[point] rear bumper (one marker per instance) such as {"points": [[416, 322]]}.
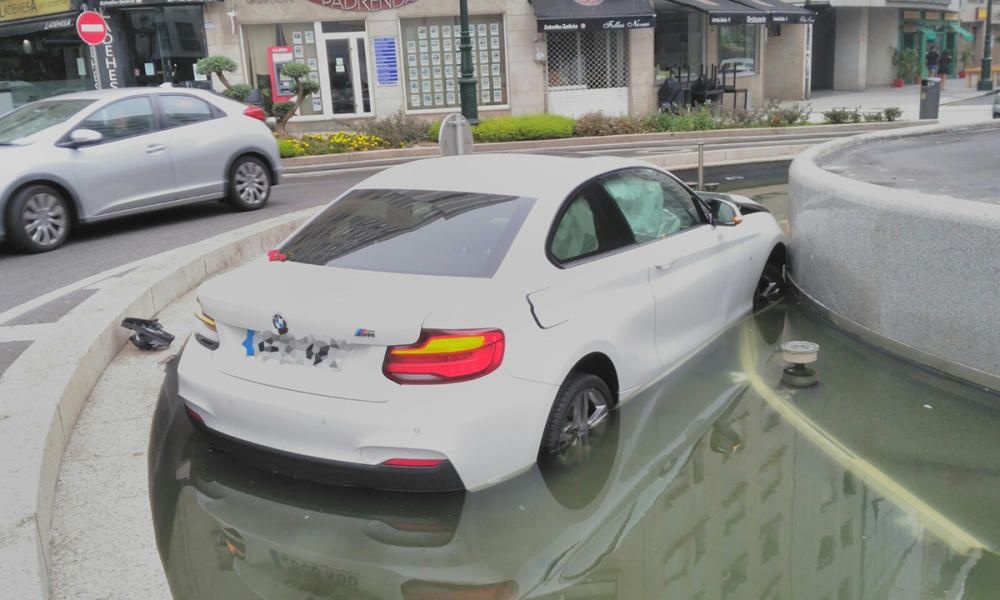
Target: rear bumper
{"points": [[486, 430], [442, 478]]}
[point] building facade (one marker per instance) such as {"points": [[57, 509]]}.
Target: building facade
{"points": [[373, 58]]}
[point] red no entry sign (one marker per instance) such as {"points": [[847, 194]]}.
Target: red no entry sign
{"points": [[91, 28]]}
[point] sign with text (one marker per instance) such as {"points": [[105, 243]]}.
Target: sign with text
{"points": [[13, 10], [386, 63], [363, 5], [278, 56]]}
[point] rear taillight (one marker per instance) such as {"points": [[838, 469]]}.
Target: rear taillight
{"points": [[413, 462], [445, 356], [428, 590], [255, 112]]}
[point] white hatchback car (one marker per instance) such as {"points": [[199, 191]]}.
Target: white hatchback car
{"points": [[447, 322], [90, 156]]}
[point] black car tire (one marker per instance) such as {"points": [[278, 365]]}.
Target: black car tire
{"points": [[575, 389], [770, 287], [45, 211], [249, 184]]}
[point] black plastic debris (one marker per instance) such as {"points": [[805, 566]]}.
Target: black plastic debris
{"points": [[147, 334]]}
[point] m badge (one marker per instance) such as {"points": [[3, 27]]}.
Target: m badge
{"points": [[279, 324]]}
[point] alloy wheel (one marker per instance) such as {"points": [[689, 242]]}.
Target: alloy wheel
{"points": [[45, 219], [585, 418], [251, 182]]}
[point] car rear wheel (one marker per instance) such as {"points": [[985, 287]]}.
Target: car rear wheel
{"points": [[249, 184], [577, 422], [770, 287], [39, 218]]}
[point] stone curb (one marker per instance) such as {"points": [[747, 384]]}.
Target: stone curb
{"points": [[291, 164], [43, 392], [960, 222]]}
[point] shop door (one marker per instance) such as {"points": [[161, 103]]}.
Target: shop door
{"points": [[824, 35], [165, 43], [346, 79]]}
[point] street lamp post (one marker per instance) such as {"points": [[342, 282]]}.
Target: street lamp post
{"points": [[986, 75], [467, 81]]}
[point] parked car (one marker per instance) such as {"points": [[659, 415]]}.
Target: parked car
{"points": [[447, 322], [97, 155]]}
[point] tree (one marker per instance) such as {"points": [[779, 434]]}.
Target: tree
{"points": [[217, 65], [301, 85]]}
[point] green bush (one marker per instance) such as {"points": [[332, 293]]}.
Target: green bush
{"points": [[529, 127], [874, 116], [433, 131], [776, 114], [238, 92], [289, 149], [839, 116], [399, 129], [598, 123], [892, 113], [280, 109]]}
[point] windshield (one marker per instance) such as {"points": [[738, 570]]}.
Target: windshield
{"points": [[412, 231], [37, 116]]}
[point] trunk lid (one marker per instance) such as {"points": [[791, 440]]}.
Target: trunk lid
{"points": [[321, 330]]}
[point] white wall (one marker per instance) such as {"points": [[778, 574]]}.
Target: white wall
{"points": [[883, 35], [850, 59], [784, 55]]}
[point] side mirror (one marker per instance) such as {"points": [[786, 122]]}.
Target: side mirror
{"points": [[84, 137], [724, 213]]}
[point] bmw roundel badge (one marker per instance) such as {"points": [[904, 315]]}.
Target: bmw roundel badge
{"points": [[279, 324]]}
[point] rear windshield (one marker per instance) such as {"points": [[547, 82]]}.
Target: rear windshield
{"points": [[412, 231]]}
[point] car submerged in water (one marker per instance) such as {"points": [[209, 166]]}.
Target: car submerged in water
{"points": [[448, 322]]}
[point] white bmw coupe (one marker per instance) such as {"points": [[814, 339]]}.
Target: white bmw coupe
{"points": [[447, 322]]}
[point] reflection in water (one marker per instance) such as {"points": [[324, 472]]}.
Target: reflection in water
{"points": [[700, 491]]}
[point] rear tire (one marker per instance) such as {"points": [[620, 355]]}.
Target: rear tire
{"points": [[39, 219], [249, 184], [770, 288], [577, 422]]}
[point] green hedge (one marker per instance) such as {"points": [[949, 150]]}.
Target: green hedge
{"points": [[516, 129], [289, 149]]}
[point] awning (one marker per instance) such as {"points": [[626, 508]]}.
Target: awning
{"points": [[580, 15], [48, 23], [962, 31], [782, 12], [929, 34], [726, 12]]}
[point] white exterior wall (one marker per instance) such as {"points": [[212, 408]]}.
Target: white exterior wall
{"points": [[785, 55], [850, 70], [883, 36]]}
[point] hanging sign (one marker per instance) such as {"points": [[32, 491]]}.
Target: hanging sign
{"points": [[277, 56]]}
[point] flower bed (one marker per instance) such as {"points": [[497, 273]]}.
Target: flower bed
{"points": [[311, 144]]}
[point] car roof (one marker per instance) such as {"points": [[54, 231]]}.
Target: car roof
{"points": [[112, 93], [528, 175]]}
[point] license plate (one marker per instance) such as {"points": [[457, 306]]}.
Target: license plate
{"points": [[290, 350], [313, 571]]}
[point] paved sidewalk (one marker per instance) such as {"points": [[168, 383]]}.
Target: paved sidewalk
{"points": [[908, 99]]}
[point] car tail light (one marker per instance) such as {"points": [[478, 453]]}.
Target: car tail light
{"points": [[276, 255], [255, 112], [428, 590], [194, 416], [445, 356]]}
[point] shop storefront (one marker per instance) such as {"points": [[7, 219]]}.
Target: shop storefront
{"points": [[40, 53], [920, 29]]}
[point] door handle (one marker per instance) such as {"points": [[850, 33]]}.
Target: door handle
{"points": [[663, 266], [154, 148]]}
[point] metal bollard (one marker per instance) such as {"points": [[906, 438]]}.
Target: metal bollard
{"points": [[701, 166]]}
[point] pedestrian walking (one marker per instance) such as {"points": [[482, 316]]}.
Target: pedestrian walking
{"points": [[931, 60], [944, 65]]}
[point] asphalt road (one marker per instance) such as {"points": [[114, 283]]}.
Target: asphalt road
{"points": [[96, 248]]}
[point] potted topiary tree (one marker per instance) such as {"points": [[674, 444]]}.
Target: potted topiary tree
{"points": [[301, 85], [907, 64], [965, 56]]}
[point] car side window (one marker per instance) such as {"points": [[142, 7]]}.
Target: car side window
{"points": [[576, 234], [181, 109], [653, 204], [122, 119], [588, 225]]}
